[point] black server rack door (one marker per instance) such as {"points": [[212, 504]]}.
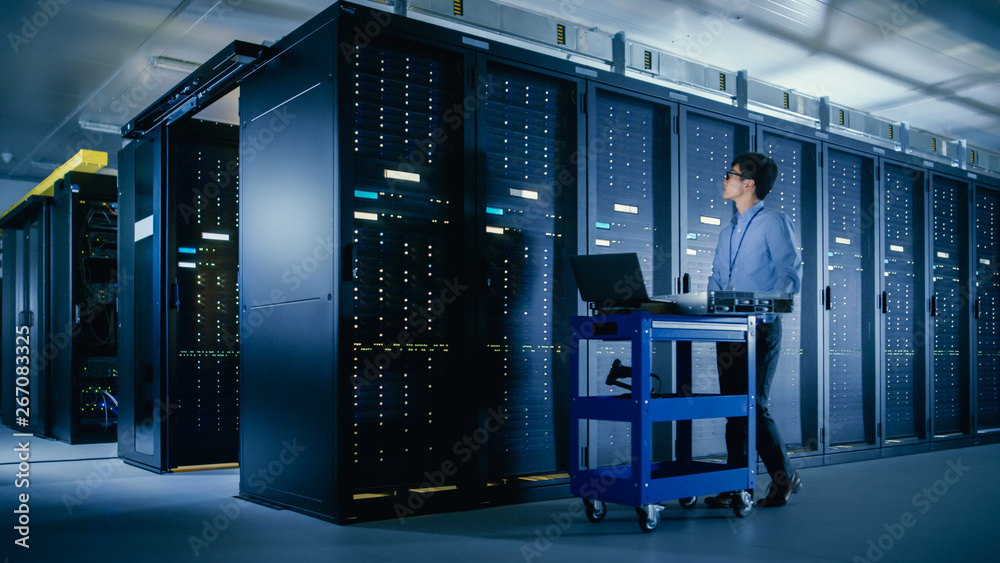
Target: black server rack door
{"points": [[629, 157], [84, 317], [36, 311], [202, 298], [708, 145], [904, 316], [987, 309], [529, 186], [794, 396], [950, 307], [60, 294], [849, 232], [8, 318], [141, 412], [289, 290], [403, 197], [95, 289]]}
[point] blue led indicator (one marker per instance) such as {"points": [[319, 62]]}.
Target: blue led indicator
{"points": [[186, 250], [494, 211], [366, 195], [692, 236], [603, 225]]}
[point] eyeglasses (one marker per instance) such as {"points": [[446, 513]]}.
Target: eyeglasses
{"points": [[734, 173]]}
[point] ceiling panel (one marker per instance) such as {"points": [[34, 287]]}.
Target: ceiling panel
{"points": [[935, 65]]}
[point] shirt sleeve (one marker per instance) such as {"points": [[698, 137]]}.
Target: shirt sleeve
{"points": [[785, 256]]}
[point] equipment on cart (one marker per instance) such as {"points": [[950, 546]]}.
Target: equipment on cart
{"points": [[614, 284]]}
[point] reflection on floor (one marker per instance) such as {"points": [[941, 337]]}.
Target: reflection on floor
{"points": [[86, 505]]}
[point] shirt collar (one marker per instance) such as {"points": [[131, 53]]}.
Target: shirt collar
{"points": [[746, 215]]}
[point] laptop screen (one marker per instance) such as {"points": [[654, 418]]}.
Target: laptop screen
{"points": [[610, 279]]}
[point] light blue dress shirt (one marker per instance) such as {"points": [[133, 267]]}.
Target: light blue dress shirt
{"points": [[757, 251]]}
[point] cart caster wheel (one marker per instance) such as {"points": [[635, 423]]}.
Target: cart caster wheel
{"points": [[649, 517], [595, 509], [688, 502], [743, 504]]}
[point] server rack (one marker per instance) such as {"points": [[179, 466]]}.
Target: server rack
{"points": [[986, 309], [795, 397], [708, 144], [84, 289], [903, 298], [179, 333], [950, 307], [632, 167], [445, 180], [527, 134], [851, 212], [404, 165], [26, 304]]}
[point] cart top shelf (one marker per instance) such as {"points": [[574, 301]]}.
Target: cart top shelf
{"points": [[705, 328]]}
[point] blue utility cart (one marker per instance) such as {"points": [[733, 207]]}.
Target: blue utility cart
{"points": [[644, 483]]}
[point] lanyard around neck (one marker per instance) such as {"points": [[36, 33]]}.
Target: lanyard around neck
{"points": [[732, 255]]}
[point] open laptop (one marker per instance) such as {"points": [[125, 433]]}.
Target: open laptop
{"points": [[613, 283], [610, 281]]}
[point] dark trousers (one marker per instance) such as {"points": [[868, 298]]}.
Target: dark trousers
{"points": [[732, 362]]}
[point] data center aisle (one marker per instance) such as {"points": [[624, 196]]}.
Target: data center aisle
{"points": [[86, 505]]}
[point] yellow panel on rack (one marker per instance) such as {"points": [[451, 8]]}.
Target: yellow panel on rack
{"points": [[83, 161]]}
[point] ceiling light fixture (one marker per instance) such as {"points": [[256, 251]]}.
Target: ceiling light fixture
{"points": [[45, 165], [167, 63], [99, 127]]}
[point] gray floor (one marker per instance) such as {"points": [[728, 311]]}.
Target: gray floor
{"points": [[86, 505]]}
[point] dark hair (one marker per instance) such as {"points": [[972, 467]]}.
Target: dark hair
{"points": [[759, 168]]}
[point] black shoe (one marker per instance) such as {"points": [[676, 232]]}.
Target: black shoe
{"points": [[722, 500], [780, 490]]}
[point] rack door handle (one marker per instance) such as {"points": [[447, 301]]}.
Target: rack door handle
{"points": [[174, 298], [348, 264], [686, 283], [885, 302], [829, 298], [934, 306]]}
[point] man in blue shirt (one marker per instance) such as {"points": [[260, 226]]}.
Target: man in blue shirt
{"points": [[756, 252]]}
